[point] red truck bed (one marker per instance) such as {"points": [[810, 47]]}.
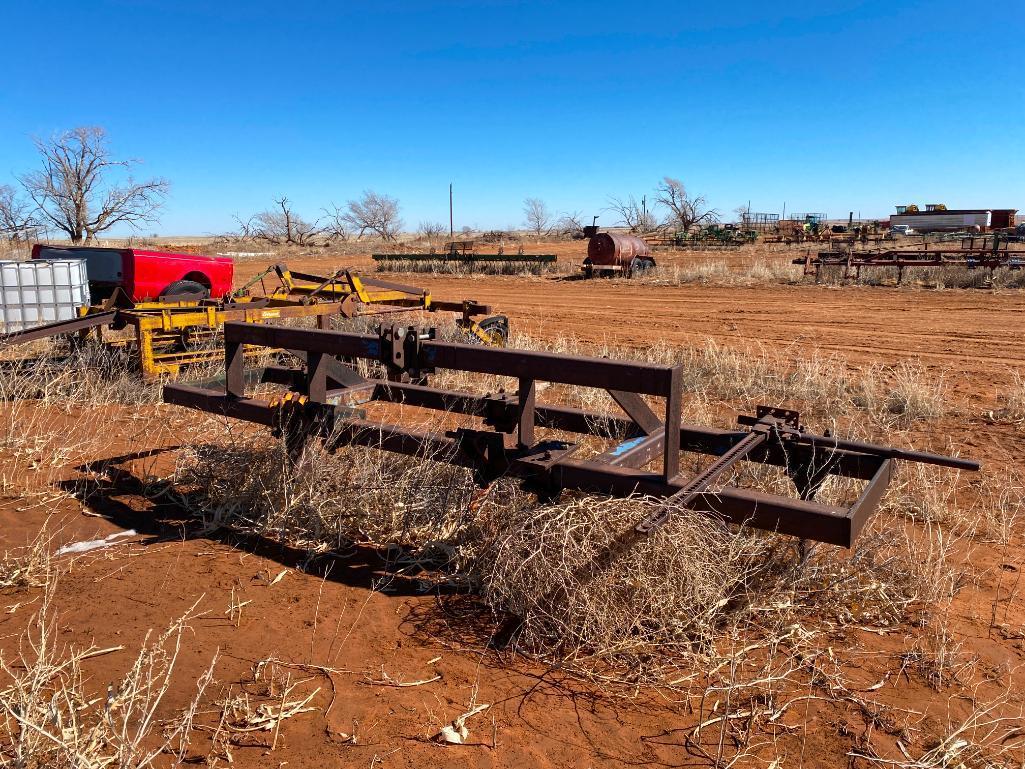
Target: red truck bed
{"points": [[144, 275]]}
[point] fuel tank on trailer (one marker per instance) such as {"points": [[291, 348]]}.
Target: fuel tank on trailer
{"points": [[614, 249]]}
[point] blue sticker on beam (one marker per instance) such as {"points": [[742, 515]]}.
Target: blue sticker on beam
{"points": [[625, 446]]}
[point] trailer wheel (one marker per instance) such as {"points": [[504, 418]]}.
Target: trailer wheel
{"points": [[495, 328], [180, 287], [639, 265]]}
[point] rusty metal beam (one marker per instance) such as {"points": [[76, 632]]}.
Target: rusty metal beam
{"points": [[641, 378], [71, 326], [815, 450]]}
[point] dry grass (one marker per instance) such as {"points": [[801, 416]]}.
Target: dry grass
{"points": [[30, 565], [938, 278], [378, 496], [54, 404], [824, 386], [439, 267], [56, 373], [52, 718], [724, 272], [671, 595], [1011, 400]]}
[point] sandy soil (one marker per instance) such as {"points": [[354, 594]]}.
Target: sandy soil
{"points": [[355, 643]]}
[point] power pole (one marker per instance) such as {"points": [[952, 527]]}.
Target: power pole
{"points": [[451, 227]]}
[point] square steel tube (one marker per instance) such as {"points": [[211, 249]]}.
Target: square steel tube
{"points": [[695, 438], [641, 378], [870, 497]]}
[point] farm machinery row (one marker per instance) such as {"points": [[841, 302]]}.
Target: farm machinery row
{"points": [[990, 253], [165, 333], [464, 256]]}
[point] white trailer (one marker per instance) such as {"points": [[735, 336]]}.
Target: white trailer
{"points": [[944, 221]]}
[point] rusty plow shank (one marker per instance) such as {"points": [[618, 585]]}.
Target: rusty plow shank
{"points": [[327, 399]]}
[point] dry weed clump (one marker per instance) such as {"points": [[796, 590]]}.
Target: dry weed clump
{"points": [[1011, 400], [984, 508], [324, 501], [913, 394], [31, 565], [58, 373], [723, 272], [669, 595], [50, 718], [938, 278]]}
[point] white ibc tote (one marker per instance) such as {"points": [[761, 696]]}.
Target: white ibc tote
{"points": [[41, 291]]}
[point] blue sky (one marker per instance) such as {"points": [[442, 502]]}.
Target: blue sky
{"points": [[826, 106]]}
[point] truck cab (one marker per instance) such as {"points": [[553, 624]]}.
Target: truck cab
{"points": [[146, 275]]}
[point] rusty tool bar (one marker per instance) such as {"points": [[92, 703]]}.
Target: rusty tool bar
{"points": [[71, 326], [641, 378], [513, 435]]}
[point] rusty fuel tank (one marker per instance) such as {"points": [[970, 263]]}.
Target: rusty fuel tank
{"points": [[607, 249]]}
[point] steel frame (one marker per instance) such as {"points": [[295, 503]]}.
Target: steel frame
{"points": [[853, 262], [323, 400], [468, 259]]}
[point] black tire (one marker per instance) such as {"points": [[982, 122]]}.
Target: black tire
{"points": [[639, 265], [496, 327], [180, 287]]}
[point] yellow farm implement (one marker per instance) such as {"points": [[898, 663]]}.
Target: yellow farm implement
{"points": [[183, 330]]}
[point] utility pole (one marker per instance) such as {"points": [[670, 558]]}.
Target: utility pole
{"points": [[451, 227]]}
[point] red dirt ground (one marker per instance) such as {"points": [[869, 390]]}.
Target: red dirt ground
{"points": [[537, 716]]}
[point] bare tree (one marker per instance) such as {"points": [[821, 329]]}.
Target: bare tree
{"points": [[284, 226], [374, 212], [336, 223], [684, 210], [18, 220], [571, 224], [431, 231], [72, 190], [539, 218], [633, 214], [246, 229]]}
